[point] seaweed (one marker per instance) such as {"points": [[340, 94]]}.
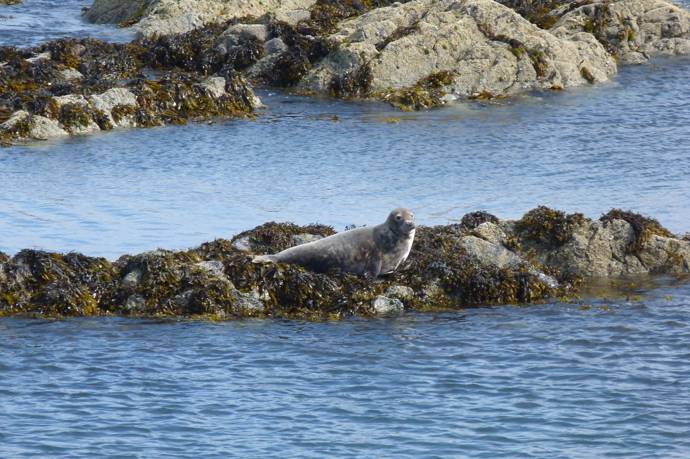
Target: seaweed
{"points": [[352, 84], [426, 93], [473, 219], [643, 227], [547, 226]]}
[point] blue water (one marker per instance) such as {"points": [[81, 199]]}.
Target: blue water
{"points": [[36, 21], [621, 144], [600, 378], [547, 381], [624, 144]]}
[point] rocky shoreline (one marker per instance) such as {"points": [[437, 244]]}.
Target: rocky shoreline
{"points": [[480, 261], [199, 59]]}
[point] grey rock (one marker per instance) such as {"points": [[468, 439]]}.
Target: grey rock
{"points": [[248, 301], [75, 99], [184, 299], [400, 292], [40, 127], [383, 305], [71, 74], [113, 97], [164, 17], [132, 279], [636, 29], [303, 238], [213, 267], [486, 47], [45, 128], [491, 232], [215, 86], [39, 57], [135, 303], [275, 46], [489, 254], [243, 243]]}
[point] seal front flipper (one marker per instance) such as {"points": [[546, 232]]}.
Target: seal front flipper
{"points": [[373, 268]]}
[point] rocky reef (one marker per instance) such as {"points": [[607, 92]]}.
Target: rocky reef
{"points": [[480, 261], [197, 59], [422, 53], [69, 86]]}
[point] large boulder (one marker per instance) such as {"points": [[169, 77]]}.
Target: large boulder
{"points": [[165, 17], [633, 30], [474, 48]]}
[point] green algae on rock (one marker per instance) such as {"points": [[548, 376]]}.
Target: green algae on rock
{"points": [[482, 261]]}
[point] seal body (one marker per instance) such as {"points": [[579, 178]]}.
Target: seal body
{"points": [[368, 251]]}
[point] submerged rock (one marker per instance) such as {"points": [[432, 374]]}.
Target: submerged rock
{"points": [[545, 254]]}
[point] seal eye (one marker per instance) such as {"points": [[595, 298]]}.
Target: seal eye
{"points": [[398, 217]]}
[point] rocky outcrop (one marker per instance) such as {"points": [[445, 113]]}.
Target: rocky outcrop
{"points": [[479, 47], [74, 87], [10, 2], [481, 261], [633, 30], [420, 53], [165, 17]]}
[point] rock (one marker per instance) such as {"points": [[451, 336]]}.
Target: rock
{"points": [[383, 305], [114, 11], [475, 48], [32, 127], [275, 46], [72, 99], [39, 57], [612, 246], [113, 97], [243, 244], [215, 86], [131, 279], [489, 254], [213, 267], [238, 32], [70, 74], [492, 233], [110, 90], [634, 30], [400, 292], [165, 17], [449, 267], [248, 303], [135, 304], [45, 128], [304, 238]]}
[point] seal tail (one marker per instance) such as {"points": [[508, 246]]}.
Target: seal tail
{"points": [[264, 259]]}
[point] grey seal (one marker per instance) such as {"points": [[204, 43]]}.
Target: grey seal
{"points": [[368, 251]]}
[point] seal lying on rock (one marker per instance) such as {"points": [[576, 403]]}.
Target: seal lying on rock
{"points": [[368, 251]]}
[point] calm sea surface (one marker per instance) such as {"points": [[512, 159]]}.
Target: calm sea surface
{"points": [[609, 378]]}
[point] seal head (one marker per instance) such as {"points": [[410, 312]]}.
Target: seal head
{"points": [[368, 251]]}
